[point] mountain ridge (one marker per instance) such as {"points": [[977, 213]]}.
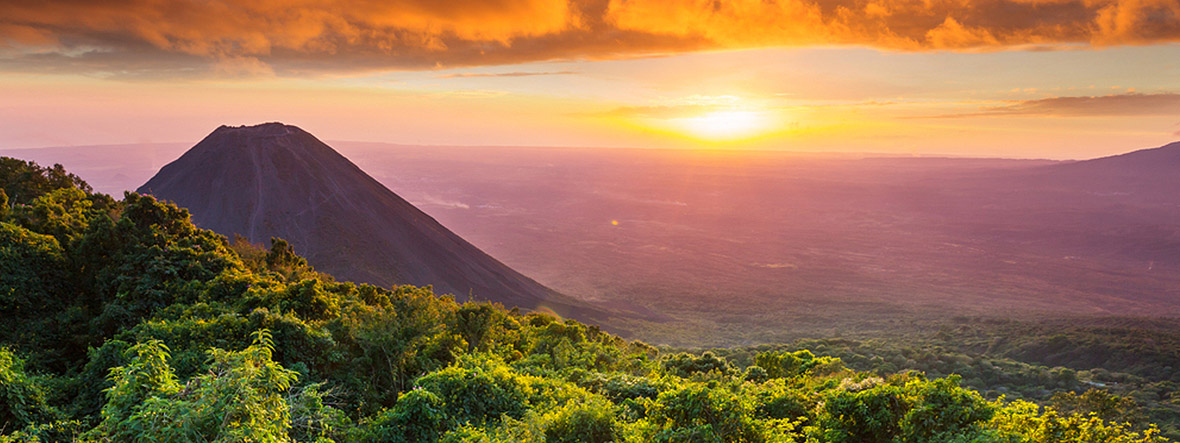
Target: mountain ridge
{"points": [[1150, 158]]}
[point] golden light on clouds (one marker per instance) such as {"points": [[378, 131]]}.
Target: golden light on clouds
{"points": [[170, 38], [897, 75], [905, 24]]}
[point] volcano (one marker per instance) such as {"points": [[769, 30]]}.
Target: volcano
{"points": [[276, 180]]}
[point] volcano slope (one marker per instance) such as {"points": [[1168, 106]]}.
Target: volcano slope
{"points": [[276, 180]]}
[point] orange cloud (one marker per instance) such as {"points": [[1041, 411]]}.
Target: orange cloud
{"points": [[224, 27], [906, 24], [150, 37]]}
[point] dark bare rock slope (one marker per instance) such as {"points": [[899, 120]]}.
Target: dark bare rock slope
{"points": [[278, 180]]}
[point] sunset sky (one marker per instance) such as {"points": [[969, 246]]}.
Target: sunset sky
{"points": [[1012, 78]]}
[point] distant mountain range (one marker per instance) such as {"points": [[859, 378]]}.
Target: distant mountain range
{"points": [[1161, 160], [275, 180], [1152, 174]]}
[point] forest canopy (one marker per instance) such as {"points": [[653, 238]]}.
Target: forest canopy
{"points": [[122, 321]]}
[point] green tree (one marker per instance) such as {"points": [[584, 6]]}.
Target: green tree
{"points": [[282, 255], [22, 401], [32, 276], [24, 180], [418, 416], [146, 376], [590, 421], [787, 364], [940, 408], [870, 415], [697, 413], [478, 392], [684, 365], [4, 208], [63, 213], [239, 400]]}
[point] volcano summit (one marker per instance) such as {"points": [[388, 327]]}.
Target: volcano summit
{"points": [[276, 180]]}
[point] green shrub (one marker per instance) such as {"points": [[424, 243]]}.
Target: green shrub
{"points": [[478, 392], [699, 413], [583, 422], [418, 416]]}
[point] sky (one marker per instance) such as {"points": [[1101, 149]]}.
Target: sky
{"points": [[999, 78]]}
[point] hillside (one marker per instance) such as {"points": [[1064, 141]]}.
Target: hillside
{"points": [[275, 180], [1142, 176], [1150, 163], [747, 248], [122, 321]]}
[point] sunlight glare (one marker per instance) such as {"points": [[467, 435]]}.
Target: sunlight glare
{"points": [[725, 125]]}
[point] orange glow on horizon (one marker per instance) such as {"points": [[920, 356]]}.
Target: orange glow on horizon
{"points": [[829, 100]]}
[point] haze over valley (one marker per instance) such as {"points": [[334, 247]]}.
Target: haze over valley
{"points": [[730, 248]]}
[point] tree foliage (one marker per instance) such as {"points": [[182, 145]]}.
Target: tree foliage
{"points": [[124, 322], [24, 180]]}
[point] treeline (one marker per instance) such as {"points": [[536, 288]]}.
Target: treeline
{"points": [[1118, 368], [121, 321]]}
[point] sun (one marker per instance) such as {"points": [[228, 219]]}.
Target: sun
{"points": [[725, 125]]}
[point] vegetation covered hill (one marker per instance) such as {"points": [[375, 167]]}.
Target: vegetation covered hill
{"points": [[121, 321]]}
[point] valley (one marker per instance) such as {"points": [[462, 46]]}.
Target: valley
{"points": [[717, 248]]}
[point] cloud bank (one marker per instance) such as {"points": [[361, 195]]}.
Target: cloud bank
{"points": [[172, 38]]}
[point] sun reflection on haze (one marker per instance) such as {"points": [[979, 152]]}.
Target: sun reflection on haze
{"points": [[726, 125]]}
